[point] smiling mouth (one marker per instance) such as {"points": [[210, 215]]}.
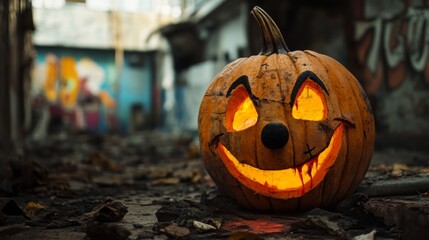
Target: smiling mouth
{"points": [[285, 183]]}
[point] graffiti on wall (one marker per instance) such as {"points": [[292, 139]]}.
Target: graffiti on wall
{"points": [[392, 38], [73, 91]]}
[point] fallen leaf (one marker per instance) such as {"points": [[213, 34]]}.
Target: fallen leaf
{"points": [[175, 231], [399, 167], [166, 181], [100, 162], [203, 226], [33, 210], [196, 178], [216, 222], [110, 210], [367, 236], [319, 225]]}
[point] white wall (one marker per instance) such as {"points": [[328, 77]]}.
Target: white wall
{"points": [[75, 25], [228, 37]]}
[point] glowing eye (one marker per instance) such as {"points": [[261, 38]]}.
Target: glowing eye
{"points": [[310, 103], [240, 112]]}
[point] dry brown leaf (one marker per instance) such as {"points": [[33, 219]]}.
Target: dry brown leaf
{"points": [[33, 210], [100, 162], [175, 231], [367, 236], [110, 210], [216, 222], [166, 181]]}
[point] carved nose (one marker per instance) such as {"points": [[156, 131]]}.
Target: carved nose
{"points": [[274, 135]]}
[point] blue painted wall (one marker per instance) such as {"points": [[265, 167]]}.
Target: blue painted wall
{"points": [[134, 85]]}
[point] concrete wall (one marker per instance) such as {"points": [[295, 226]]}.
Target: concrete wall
{"points": [[74, 25], [110, 57], [223, 43], [390, 49]]}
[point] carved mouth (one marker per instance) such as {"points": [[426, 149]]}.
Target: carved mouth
{"points": [[285, 183]]}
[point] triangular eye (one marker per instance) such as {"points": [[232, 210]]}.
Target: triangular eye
{"points": [[310, 102], [240, 111]]}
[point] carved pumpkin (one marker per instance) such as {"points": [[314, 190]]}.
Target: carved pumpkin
{"points": [[285, 130]]}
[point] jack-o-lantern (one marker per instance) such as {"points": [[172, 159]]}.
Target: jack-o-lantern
{"points": [[285, 130]]}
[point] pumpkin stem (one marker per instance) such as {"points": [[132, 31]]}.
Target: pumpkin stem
{"points": [[272, 39]]}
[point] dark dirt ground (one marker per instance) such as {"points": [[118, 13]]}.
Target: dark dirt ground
{"points": [[153, 185]]}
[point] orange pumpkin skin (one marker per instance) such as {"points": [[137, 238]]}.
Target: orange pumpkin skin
{"points": [[287, 171]]}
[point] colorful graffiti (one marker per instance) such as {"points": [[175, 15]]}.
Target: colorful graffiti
{"points": [[392, 37], [73, 91]]}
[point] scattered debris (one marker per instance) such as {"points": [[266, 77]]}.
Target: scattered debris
{"points": [[158, 191], [410, 216], [182, 211], [109, 210], [203, 227], [319, 225], [33, 210], [216, 222], [367, 236], [166, 181], [100, 162], [175, 231]]}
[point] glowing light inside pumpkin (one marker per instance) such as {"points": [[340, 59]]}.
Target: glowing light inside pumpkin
{"points": [[310, 103], [240, 112], [285, 183]]}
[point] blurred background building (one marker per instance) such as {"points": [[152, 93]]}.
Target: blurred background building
{"points": [[126, 66]]}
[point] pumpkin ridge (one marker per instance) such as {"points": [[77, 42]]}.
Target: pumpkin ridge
{"points": [[294, 67], [243, 191], [350, 88], [279, 79], [364, 150], [288, 116], [272, 38], [344, 167], [352, 183], [260, 73], [298, 72], [214, 87]]}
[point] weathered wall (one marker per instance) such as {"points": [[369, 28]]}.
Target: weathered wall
{"points": [[74, 25], [390, 47], [110, 57], [225, 41]]}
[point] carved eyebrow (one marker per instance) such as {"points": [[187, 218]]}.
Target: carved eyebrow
{"points": [[301, 79], [243, 80]]}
